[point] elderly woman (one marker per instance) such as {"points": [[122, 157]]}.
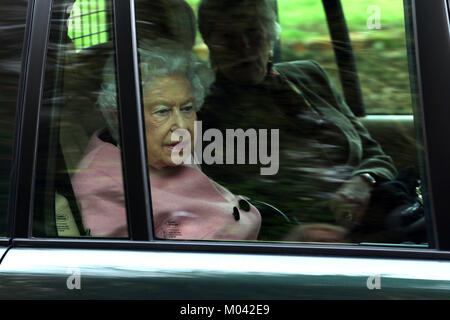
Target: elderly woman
{"points": [[328, 161], [186, 203]]}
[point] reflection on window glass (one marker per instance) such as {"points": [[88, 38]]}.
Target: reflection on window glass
{"points": [[238, 146], [377, 30], [278, 135], [79, 172], [12, 29], [186, 203], [283, 135]]}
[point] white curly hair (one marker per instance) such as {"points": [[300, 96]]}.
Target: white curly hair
{"points": [[156, 59]]}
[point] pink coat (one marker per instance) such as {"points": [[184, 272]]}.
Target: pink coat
{"points": [[186, 204]]}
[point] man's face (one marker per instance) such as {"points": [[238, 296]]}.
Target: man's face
{"points": [[240, 47]]}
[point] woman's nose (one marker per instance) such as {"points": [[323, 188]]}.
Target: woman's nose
{"points": [[178, 120]]}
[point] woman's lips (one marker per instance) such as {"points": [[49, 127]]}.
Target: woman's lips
{"points": [[177, 146]]}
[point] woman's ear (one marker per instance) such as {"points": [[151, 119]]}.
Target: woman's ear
{"points": [[115, 114]]}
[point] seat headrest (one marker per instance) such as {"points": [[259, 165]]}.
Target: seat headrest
{"points": [[167, 19]]}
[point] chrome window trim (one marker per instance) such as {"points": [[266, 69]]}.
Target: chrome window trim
{"points": [[4, 241], [300, 249]]}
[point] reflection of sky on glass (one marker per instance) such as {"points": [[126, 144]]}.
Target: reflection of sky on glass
{"points": [[161, 264]]}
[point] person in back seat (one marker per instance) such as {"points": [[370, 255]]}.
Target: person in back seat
{"points": [[186, 203], [329, 163]]}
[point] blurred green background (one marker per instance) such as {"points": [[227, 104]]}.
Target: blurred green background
{"points": [[381, 54]]}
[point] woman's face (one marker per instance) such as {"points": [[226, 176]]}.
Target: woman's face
{"points": [[168, 106]]}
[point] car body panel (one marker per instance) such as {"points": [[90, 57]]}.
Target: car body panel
{"points": [[45, 273]]}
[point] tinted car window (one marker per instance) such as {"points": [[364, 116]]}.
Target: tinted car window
{"points": [[238, 146], [315, 165], [12, 28], [76, 134], [80, 190]]}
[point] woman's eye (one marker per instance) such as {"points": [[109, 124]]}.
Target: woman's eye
{"points": [[161, 111], [188, 108]]}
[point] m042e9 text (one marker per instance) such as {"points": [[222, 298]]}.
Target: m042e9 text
{"points": [[231, 309]]}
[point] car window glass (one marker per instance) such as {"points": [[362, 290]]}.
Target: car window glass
{"points": [[239, 145], [79, 185], [12, 29], [377, 31], [278, 147]]}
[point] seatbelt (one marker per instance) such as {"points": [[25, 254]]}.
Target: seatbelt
{"points": [[345, 59], [67, 212]]}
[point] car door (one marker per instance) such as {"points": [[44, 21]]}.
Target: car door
{"points": [[51, 255], [12, 29]]}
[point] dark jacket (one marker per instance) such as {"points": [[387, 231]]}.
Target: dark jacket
{"points": [[365, 154], [322, 144]]}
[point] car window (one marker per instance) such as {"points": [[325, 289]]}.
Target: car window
{"points": [[80, 185], [12, 30], [239, 146], [79, 140], [260, 143]]}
